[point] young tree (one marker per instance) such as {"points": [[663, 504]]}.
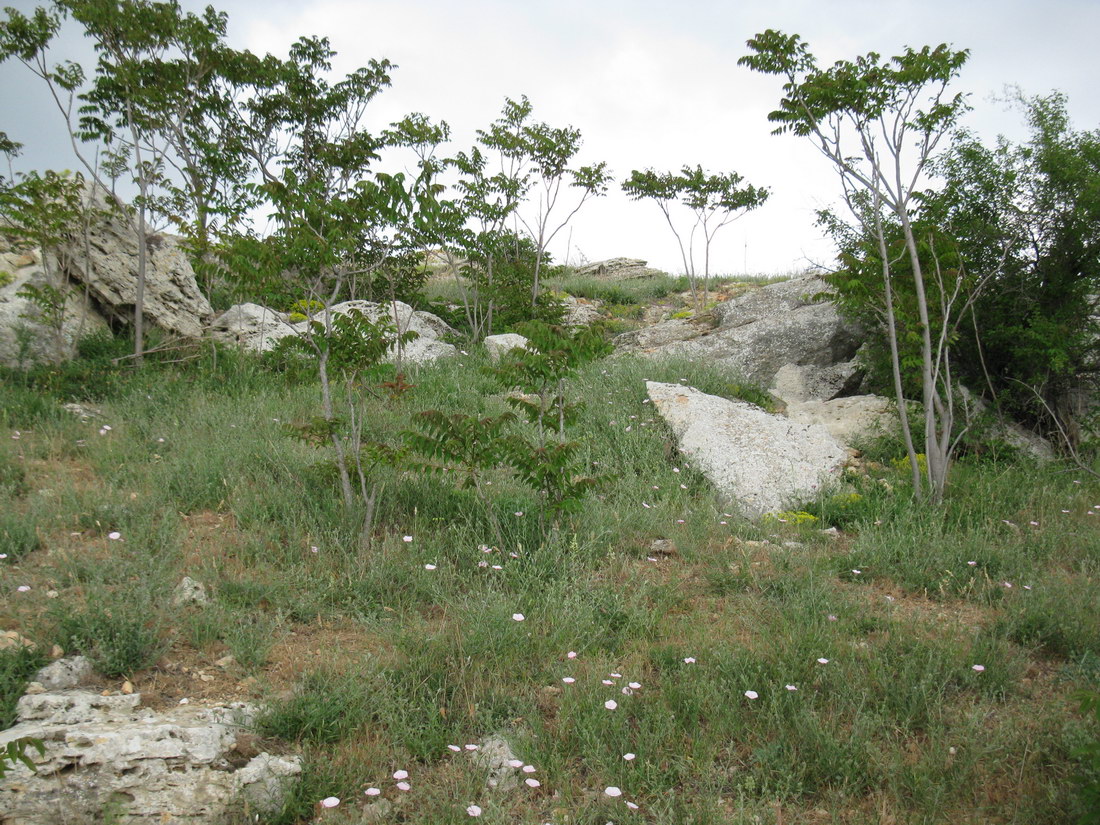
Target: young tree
{"points": [[714, 200], [879, 123]]}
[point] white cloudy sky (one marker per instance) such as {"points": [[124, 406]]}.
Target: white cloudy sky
{"points": [[649, 84]]}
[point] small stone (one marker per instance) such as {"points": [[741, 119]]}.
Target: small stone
{"points": [[189, 591], [56, 652], [127, 687], [35, 688], [225, 662]]}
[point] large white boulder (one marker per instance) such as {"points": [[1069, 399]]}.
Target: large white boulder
{"points": [[763, 462], [258, 329], [180, 765], [498, 345]]}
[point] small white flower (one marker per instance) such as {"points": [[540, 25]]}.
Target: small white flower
{"points": [[473, 810], [751, 694], [531, 783], [23, 588], [611, 704], [401, 774], [634, 685], [114, 535], [404, 786], [372, 791], [515, 763], [823, 661], [790, 687], [429, 567], [977, 668], [528, 768], [630, 757], [612, 791], [454, 748], [518, 617], [690, 660], [406, 539], [330, 802], [572, 654]]}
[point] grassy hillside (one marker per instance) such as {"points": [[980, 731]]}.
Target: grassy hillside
{"points": [[916, 667]]}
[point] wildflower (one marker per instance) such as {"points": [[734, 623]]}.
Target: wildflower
{"points": [[473, 810], [528, 768], [632, 805], [972, 563], [572, 654], [404, 786], [372, 792], [429, 567], [330, 802], [616, 675], [406, 539], [114, 535], [454, 748], [531, 783], [823, 661], [630, 757], [518, 617], [690, 660], [515, 763], [790, 687], [831, 617], [634, 685], [612, 791], [518, 513], [472, 747], [751, 694], [857, 572], [611, 704], [607, 681], [977, 668], [402, 774], [23, 588]]}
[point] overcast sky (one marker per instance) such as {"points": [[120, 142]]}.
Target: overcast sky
{"points": [[648, 84]]}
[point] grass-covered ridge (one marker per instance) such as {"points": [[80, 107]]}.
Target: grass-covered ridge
{"points": [[784, 675]]}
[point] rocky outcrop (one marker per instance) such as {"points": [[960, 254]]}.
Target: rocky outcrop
{"points": [[258, 329], [580, 312], [761, 332], [27, 333], [498, 345], [108, 265], [617, 269], [763, 462], [107, 753]]}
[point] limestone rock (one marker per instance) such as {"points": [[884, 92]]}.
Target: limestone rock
{"points": [[493, 757], [795, 383], [764, 462], [848, 419], [498, 345], [257, 329], [617, 269], [107, 750], [24, 337], [580, 312], [64, 673], [189, 591], [251, 327], [107, 265], [759, 332], [11, 638]]}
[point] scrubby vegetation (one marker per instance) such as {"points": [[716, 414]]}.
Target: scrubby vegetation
{"points": [[921, 665]]}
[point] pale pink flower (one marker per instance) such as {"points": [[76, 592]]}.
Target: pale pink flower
{"points": [[429, 567], [406, 539], [977, 668], [630, 757], [515, 763], [790, 687], [401, 774], [572, 654], [690, 660], [23, 588], [372, 792], [634, 685], [607, 681], [114, 535], [528, 768], [473, 810], [531, 782], [404, 786], [612, 791], [330, 802], [454, 748], [518, 617], [472, 747], [568, 680], [632, 805], [823, 661], [611, 704], [752, 694]]}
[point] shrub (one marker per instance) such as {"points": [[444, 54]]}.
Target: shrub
{"points": [[117, 635], [17, 666]]}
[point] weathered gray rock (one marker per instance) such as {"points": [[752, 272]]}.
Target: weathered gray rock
{"points": [[25, 336], [104, 751], [494, 757], [108, 265], [64, 673], [189, 591], [848, 419], [251, 327], [617, 269], [257, 329], [764, 462], [580, 312], [759, 333], [498, 345], [794, 383]]}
